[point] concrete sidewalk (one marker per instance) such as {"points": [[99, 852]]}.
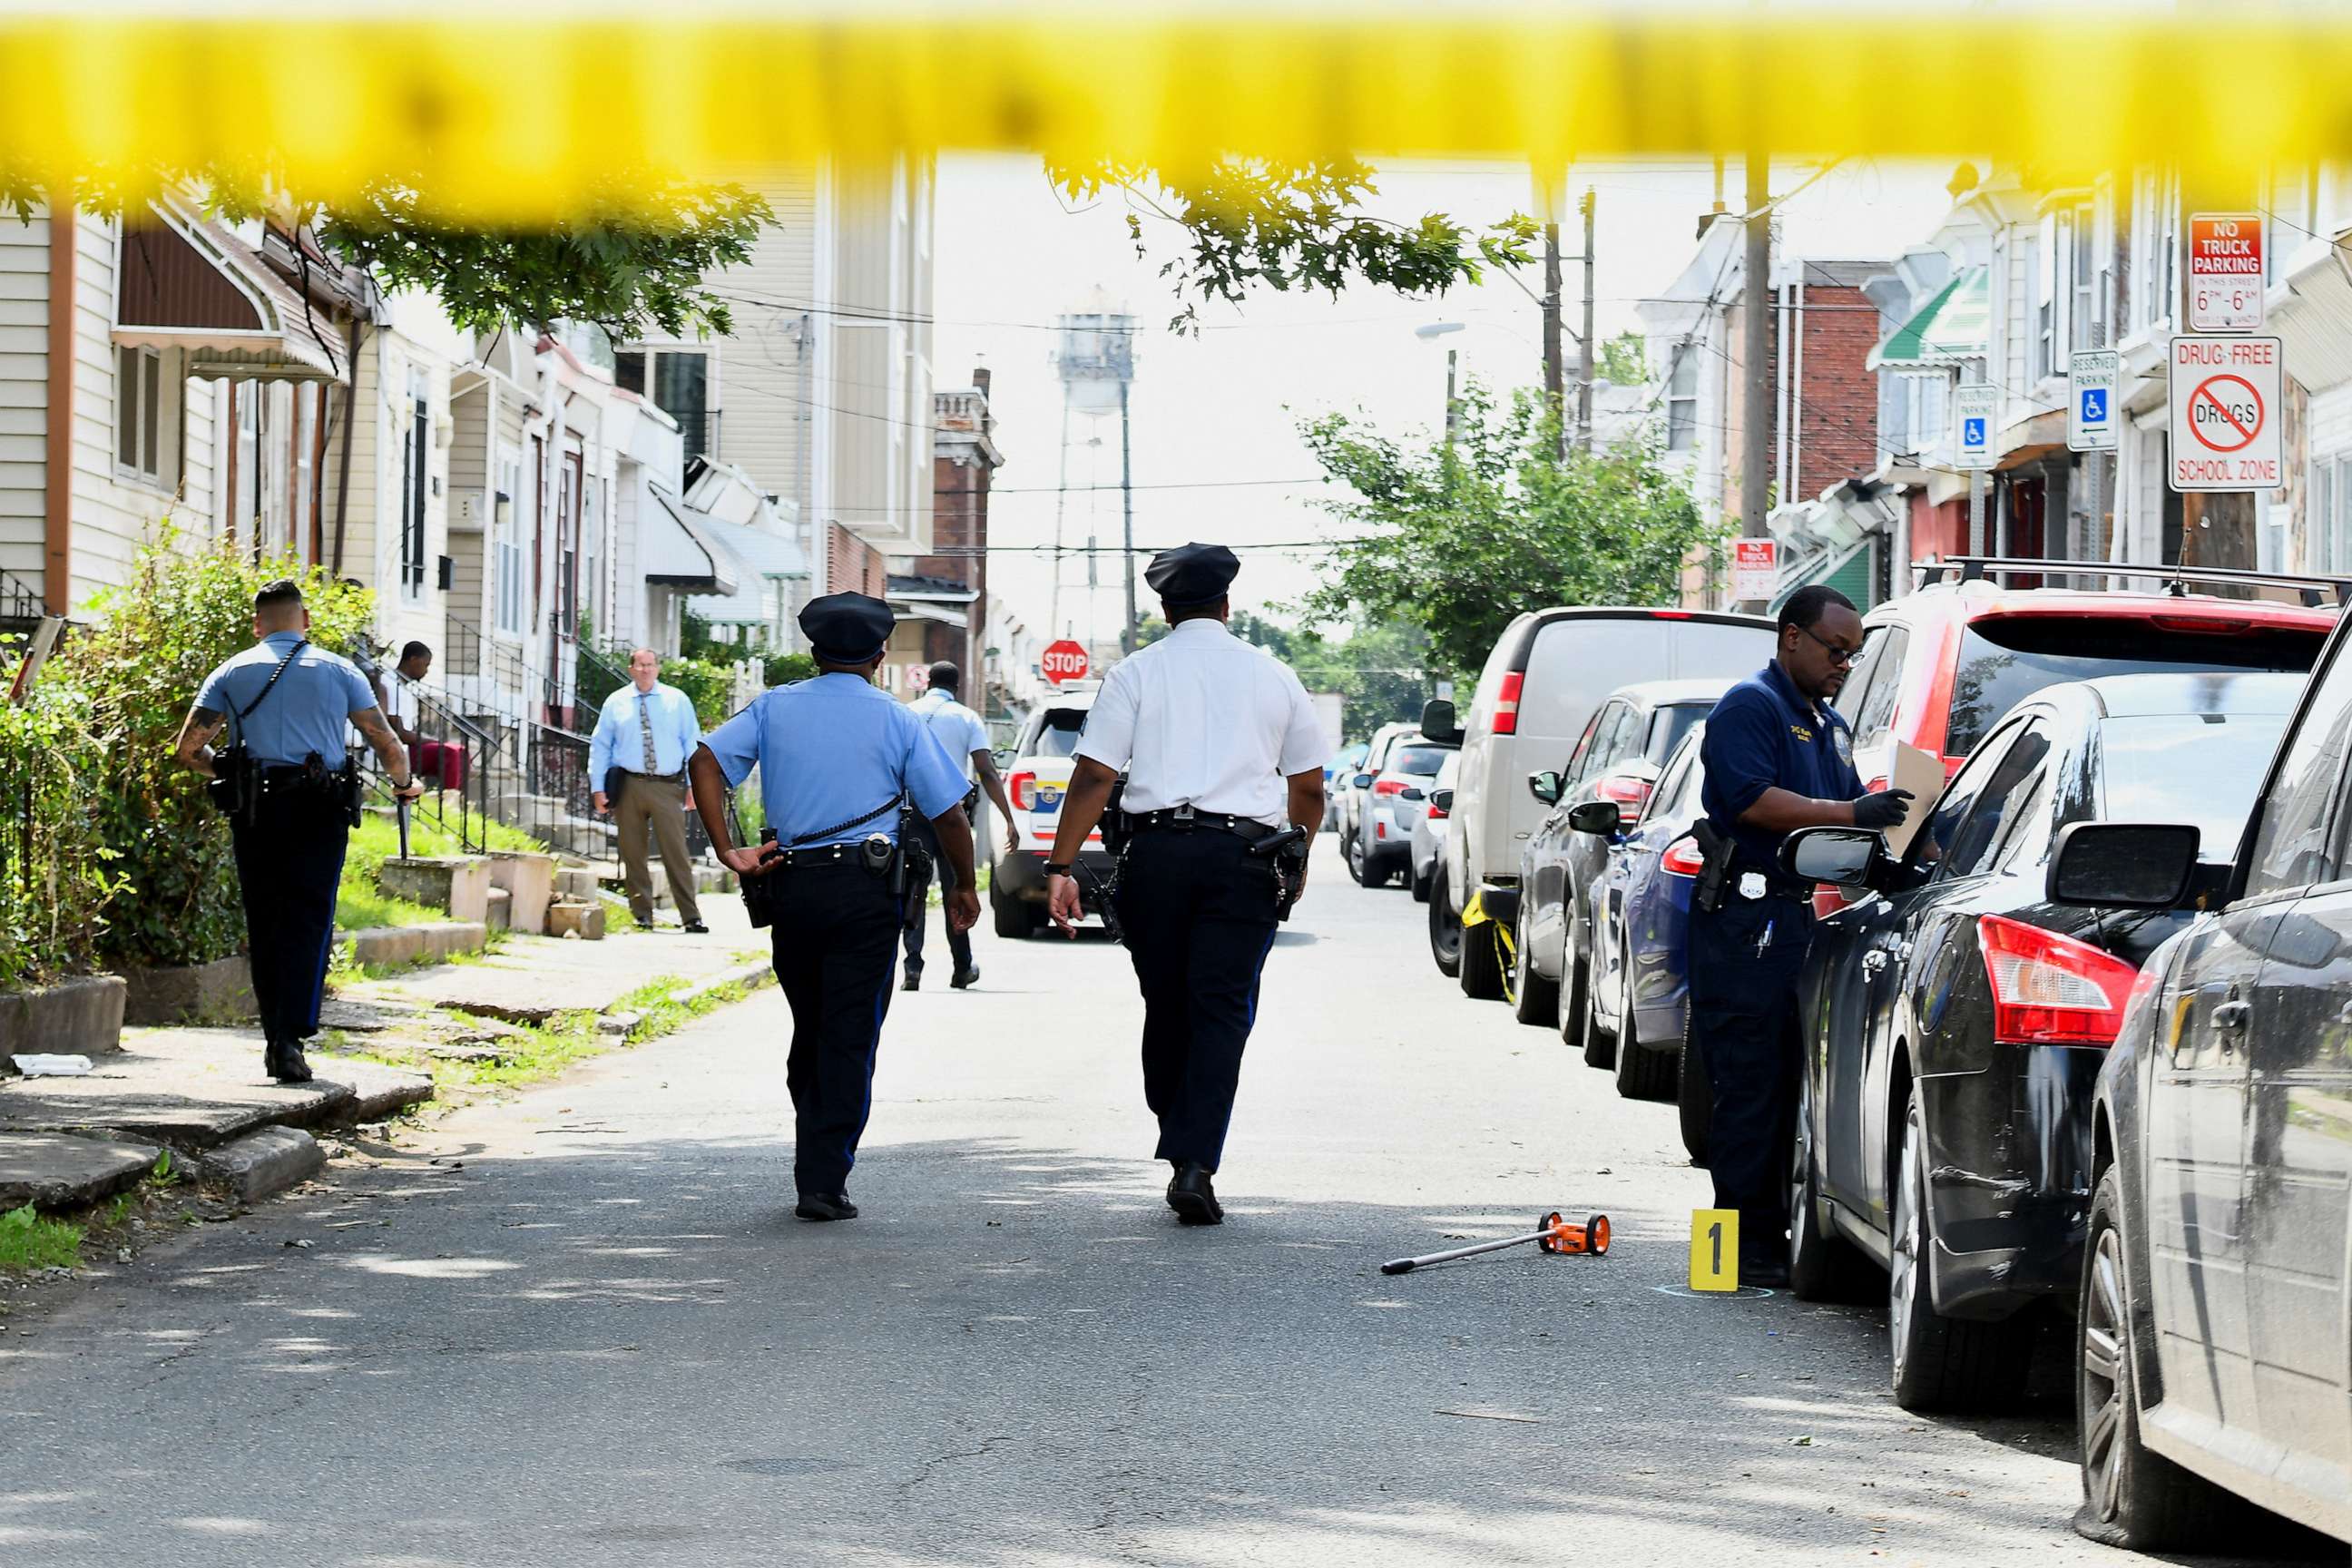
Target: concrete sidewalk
{"points": [[201, 1094]]}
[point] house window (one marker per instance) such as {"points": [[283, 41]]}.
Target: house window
{"points": [[416, 457], [507, 542], [678, 381], [2085, 318], [1682, 399], [2047, 271], [139, 413], [2327, 515]]}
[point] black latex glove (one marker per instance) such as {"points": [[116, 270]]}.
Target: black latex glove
{"points": [[1883, 809]]}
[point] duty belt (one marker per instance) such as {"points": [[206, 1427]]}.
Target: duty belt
{"points": [[1183, 816], [824, 855]]}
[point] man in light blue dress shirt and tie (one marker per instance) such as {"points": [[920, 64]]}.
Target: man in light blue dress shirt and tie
{"points": [[643, 736]]}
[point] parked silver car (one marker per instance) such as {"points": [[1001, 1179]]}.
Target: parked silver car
{"points": [[1353, 788], [1429, 829], [1382, 845]]}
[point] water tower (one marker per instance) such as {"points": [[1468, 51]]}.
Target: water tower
{"points": [[1096, 357]]}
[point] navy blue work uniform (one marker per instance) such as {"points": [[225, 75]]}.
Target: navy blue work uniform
{"points": [[1744, 957], [289, 858], [835, 755]]}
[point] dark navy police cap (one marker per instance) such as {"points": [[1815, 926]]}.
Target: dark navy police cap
{"points": [[1193, 574], [846, 628]]}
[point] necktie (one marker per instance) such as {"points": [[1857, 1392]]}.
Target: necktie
{"points": [[646, 730]]}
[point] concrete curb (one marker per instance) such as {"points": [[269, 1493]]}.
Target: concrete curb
{"points": [[407, 944], [264, 1163]]}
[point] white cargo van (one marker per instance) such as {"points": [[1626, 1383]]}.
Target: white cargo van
{"points": [[1541, 685]]}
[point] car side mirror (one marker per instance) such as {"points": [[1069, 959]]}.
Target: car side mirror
{"points": [[1361, 781], [1545, 786], [2122, 864], [1598, 817], [1438, 722], [1441, 799], [1843, 857], [1409, 793]]}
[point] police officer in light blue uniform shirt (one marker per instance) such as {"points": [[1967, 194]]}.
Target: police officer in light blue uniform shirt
{"points": [[836, 756], [288, 701]]}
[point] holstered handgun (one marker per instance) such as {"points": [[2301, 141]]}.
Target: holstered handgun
{"points": [[1113, 825], [1713, 882], [1288, 851]]}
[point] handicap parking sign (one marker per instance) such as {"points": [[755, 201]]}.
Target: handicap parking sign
{"points": [[2092, 374], [2095, 405], [1972, 433]]}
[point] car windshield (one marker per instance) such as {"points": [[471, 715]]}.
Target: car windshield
{"points": [[1669, 725], [1420, 760], [2006, 660], [2201, 768], [1058, 735]]}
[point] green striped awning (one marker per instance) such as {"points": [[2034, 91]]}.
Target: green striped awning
{"points": [[1847, 571], [1956, 325]]}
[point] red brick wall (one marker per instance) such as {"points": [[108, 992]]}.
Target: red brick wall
{"points": [[1837, 418], [852, 565]]}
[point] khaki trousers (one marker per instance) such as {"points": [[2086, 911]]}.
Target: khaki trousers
{"points": [[658, 802]]}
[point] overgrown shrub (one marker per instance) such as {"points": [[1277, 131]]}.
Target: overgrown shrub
{"points": [[184, 608], [784, 668], [57, 876]]}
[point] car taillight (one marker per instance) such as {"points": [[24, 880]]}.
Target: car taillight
{"points": [[2052, 990], [1388, 787], [1682, 859], [1436, 812], [1629, 793], [1506, 704], [1023, 788], [2205, 625]]}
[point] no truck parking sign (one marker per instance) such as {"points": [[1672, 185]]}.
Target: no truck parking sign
{"points": [[2225, 414]]}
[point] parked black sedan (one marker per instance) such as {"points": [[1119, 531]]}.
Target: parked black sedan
{"points": [[1955, 1020]]}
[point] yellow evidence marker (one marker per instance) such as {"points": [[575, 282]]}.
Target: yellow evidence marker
{"points": [[1715, 1249]]}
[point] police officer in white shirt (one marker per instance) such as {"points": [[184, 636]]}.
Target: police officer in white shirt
{"points": [[1221, 748], [965, 736]]}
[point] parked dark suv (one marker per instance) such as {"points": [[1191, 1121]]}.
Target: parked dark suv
{"points": [[1954, 1018], [2213, 1350]]}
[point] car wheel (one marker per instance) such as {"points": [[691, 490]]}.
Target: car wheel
{"points": [[1535, 1000], [1011, 918], [1444, 926], [1600, 1044], [1421, 881], [1940, 1364], [1693, 1095], [1351, 848], [1485, 976], [2131, 1498], [1642, 1073], [1821, 1265]]}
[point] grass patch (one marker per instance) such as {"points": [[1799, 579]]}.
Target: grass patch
{"points": [[539, 1052], [360, 907], [28, 1242]]}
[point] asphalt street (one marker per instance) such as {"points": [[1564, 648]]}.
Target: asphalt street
{"points": [[583, 1327]]}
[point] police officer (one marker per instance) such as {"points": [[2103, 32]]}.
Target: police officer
{"points": [[965, 736], [1777, 758], [836, 755], [1221, 748], [287, 702]]}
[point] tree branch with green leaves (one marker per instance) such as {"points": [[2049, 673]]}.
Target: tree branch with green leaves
{"points": [[1249, 223]]}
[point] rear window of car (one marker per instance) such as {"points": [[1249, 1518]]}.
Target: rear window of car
{"points": [[2192, 767], [1423, 761], [1669, 725], [1057, 734], [2005, 660]]}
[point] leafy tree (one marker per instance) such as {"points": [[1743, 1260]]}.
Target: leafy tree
{"points": [[1457, 538], [1625, 360], [1248, 221], [617, 266]]}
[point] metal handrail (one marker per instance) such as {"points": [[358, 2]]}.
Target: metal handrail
{"points": [[1977, 568]]}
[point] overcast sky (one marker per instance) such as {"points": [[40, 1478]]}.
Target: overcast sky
{"points": [[1216, 452]]}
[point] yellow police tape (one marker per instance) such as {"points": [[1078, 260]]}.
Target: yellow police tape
{"points": [[524, 111]]}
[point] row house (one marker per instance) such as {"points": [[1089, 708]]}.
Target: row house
{"points": [[941, 597], [1824, 407]]}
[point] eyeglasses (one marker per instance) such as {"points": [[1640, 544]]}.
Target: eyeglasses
{"points": [[1844, 656]]}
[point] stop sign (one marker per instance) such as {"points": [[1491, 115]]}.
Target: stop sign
{"points": [[1063, 661]]}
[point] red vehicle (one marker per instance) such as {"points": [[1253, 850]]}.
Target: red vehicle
{"points": [[1939, 667]]}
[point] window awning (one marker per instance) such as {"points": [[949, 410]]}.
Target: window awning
{"points": [[1847, 571], [188, 282], [762, 559], [1956, 325], [677, 552]]}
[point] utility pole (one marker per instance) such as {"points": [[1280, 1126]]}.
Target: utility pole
{"points": [[1127, 523], [1756, 371], [1584, 376], [1453, 409], [1555, 392]]}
